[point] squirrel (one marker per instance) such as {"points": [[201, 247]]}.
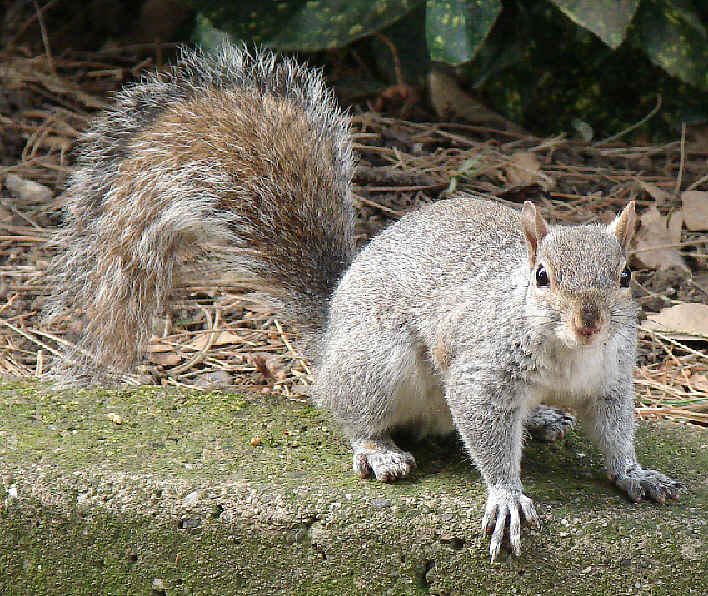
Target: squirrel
{"points": [[465, 315]]}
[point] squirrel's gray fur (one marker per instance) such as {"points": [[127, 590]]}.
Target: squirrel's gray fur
{"points": [[441, 322]]}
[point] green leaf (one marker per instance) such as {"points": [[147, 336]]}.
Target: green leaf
{"points": [[687, 12], [608, 19], [206, 35], [675, 39], [455, 29], [302, 24]]}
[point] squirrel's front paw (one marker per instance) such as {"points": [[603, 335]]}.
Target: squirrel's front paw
{"points": [[638, 483], [503, 504], [382, 458]]}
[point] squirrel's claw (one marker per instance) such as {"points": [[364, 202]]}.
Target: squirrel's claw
{"points": [[639, 483], [502, 505]]}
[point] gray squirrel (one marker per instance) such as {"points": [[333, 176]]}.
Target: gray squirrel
{"points": [[465, 315]]}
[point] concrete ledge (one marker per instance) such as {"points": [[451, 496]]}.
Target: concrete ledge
{"points": [[154, 491]]}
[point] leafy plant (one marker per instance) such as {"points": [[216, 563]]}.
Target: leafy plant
{"points": [[528, 58], [670, 32]]}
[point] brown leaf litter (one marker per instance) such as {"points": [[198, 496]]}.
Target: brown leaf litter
{"points": [[216, 332]]}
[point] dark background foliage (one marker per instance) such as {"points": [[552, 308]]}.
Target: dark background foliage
{"points": [[550, 65], [588, 68]]}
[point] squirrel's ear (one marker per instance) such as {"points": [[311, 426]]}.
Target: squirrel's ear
{"points": [[624, 225], [534, 227]]}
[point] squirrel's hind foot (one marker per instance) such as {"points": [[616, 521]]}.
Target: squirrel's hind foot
{"points": [[381, 458], [549, 424], [639, 483]]}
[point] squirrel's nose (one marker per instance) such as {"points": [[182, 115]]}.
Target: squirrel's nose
{"points": [[589, 317]]}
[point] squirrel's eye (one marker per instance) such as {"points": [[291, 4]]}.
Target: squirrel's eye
{"points": [[625, 277], [542, 277]]}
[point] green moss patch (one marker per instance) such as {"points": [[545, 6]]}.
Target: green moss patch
{"points": [[154, 491]]}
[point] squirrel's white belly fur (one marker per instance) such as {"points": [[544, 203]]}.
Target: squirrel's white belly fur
{"points": [[581, 373], [569, 377], [419, 397]]}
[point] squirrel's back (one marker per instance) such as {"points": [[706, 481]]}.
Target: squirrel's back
{"points": [[429, 256], [242, 152]]}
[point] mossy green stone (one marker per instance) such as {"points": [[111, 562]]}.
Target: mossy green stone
{"points": [[176, 500]]}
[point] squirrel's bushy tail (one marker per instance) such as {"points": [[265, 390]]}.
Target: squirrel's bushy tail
{"points": [[241, 152]]}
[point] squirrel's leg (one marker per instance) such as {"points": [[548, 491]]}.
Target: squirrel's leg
{"points": [[374, 381], [610, 421], [548, 424], [491, 426]]}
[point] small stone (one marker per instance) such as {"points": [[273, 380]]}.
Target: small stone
{"points": [[190, 499], [380, 503], [692, 552], [158, 587], [115, 418], [27, 190], [190, 523], [11, 493], [218, 379], [158, 584], [318, 533]]}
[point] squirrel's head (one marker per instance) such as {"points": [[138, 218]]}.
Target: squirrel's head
{"points": [[578, 278]]}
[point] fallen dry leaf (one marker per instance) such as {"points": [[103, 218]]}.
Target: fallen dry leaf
{"points": [[165, 359], [156, 348], [449, 99], [224, 338], [656, 193], [699, 382], [277, 366], [524, 169], [695, 209], [657, 242], [27, 190], [688, 319]]}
